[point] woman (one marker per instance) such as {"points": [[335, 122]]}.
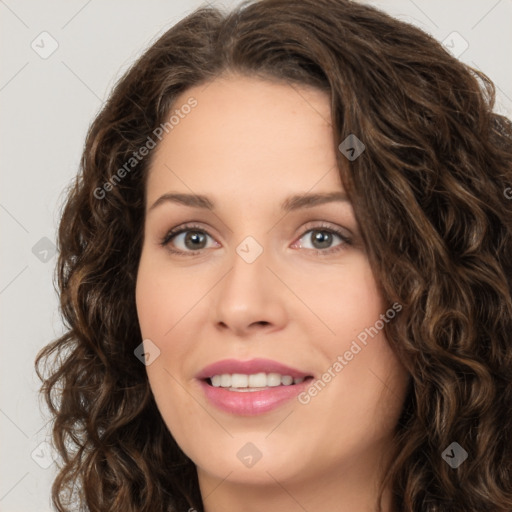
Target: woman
{"points": [[285, 271]]}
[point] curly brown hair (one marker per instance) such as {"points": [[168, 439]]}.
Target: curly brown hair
{"points": [[428, 194]]}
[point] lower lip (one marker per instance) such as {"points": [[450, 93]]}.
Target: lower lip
{"points": [[251, 403]]}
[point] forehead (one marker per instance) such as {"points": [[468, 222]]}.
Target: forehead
{"points": [[248, 137]]}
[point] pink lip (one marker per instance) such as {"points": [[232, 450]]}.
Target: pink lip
{"points": [[250, 403]]}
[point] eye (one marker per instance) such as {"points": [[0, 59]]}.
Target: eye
{"points": [[193, 239], [322, 238]]}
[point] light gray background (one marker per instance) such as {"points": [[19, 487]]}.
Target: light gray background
{"points": [[47, 105]]}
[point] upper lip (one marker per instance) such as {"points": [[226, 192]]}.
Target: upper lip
{"points": [[249, 367]]}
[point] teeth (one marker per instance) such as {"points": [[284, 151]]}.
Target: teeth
{"points": [[286, 380], [225, 380], [274, 379], [239, 380], [255, 380], [258, 380]]}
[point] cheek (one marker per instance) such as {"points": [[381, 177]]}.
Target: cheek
{"points": [[160, 306], [163, 296], [351, 305], [166, 300], [347, 300]]}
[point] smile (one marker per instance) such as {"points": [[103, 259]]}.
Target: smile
{"points": [[248, 388]]}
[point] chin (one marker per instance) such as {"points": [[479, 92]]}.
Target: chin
{"points": [[250, 459]]}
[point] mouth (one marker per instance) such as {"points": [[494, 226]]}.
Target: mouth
{"points": [[247, 388]]}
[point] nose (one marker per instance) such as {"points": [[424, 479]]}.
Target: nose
{"points": [[250, 299]]}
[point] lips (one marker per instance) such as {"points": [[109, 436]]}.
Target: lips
{"points": [[241, 396]]}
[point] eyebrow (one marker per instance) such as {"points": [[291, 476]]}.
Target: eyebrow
{"points": [[289, 204]]}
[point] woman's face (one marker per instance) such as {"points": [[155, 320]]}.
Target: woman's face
{"points": [[267, 286]]}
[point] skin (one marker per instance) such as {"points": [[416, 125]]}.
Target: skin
{"points": [[249, 144]]}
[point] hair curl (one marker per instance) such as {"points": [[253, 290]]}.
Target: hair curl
{"points": [[428, 194]]}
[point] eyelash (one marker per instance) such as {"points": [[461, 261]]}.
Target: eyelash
{"points": [[164, 242]]}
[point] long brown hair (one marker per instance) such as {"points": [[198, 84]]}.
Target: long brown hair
{"points": [[429, 196]]}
